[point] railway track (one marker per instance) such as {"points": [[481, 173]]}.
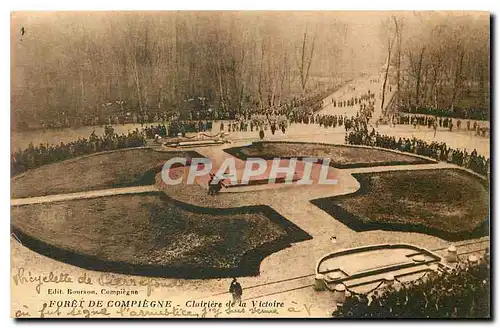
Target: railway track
{"points": [[282, 286]]}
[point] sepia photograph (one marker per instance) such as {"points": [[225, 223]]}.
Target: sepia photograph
{"points": [[250, 164]]}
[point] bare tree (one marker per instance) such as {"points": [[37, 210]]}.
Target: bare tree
{"points": [[458, 79], [390, 43], [305, 62], [417, 69], [399, 45]]}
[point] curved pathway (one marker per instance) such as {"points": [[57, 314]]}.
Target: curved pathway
{"points": [[286, 276], [83, 195], [291, 201]]}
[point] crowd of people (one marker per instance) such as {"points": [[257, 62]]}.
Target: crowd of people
{"points": [[274, 118], [153, 131], [36, 156], [119, 118], [311, 102], [298, 111], [366, 108], [256, 122], [173, 128], [330, 121], [364, 100], [437, 150], [442, 122], [461, 293], [459, 113], [248, 118]]}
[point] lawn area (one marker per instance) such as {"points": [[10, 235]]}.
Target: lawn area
{"points": [[124, 168], [341, 156], [150, 234], [449, 203]]}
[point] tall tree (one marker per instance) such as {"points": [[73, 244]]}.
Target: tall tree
{"points": [[305, 60], [390, 42]]}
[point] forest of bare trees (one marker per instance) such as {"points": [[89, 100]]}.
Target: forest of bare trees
{"points": [[155, 61], [440, 61], [68, 65]]}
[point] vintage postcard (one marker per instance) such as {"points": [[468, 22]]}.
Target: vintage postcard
{"points": [[250, 164]]}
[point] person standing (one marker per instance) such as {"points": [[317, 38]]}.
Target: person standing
{"points": [[273, 128], [261, 134], [236, 290], [211, 190]]}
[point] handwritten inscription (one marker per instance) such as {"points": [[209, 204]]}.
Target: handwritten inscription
{"points": [[23, 277], [26, 277], [93, 308], [119, 287]]}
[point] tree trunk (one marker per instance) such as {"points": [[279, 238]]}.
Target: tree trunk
{"points": [[389, 51], [419, 78], [458, 79], [83, 91], [260, 77]]}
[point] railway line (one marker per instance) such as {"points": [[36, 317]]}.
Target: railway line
{"points": [[283, 286]]}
